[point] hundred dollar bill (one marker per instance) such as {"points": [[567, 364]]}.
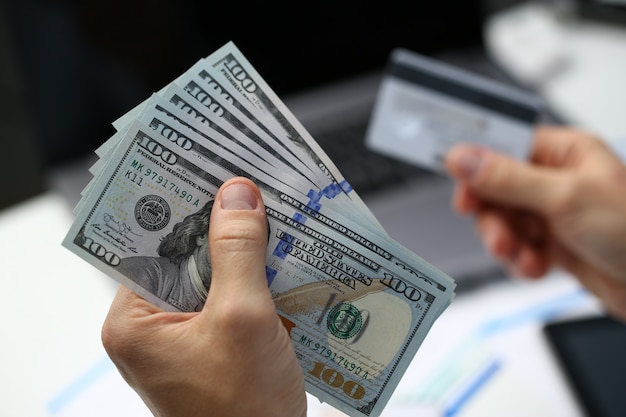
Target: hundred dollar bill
{"points": [[336, 285], [356, 304]]}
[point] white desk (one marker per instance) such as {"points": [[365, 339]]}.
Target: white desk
{"points": [[53, 364], [52, 309]]}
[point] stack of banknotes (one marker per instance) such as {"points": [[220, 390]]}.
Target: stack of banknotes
{"points": [[356, 303]]}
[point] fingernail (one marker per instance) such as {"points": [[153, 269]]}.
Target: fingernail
{"points": [[470, 161], [238, 196]]}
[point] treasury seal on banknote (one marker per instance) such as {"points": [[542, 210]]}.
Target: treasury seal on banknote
{"points": [[152, 212], [344, 321]]}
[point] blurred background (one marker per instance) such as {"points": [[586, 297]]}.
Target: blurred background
{"points": [[69, 68]]}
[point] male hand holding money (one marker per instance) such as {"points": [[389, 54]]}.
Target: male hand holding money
{"points": [[233, 358], [338, 282]]}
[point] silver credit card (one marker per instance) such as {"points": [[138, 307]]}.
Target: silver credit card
{"points": [[424, 107]]}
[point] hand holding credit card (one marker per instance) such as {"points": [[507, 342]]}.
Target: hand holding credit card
{"points": [[424, 107]]}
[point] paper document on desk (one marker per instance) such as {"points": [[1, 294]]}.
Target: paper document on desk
{"points": [[356, 304], [424, 107]]}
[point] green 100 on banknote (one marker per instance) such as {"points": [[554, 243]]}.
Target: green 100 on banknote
{"points": [[356, 304]]}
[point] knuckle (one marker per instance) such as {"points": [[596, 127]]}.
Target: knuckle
{"points": [[230, 250], [243, 317], [110, 339], [118, 343], [567, 196], [493, 176], [237, 235]]}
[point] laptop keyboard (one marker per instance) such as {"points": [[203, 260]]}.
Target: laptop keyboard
{"points": [[365, 170]]}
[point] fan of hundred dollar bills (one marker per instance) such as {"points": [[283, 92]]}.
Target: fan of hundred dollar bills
{"points": [[356, 303]]}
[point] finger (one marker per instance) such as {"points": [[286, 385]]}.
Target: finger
{"points": [[464, 201], [519, 239], [238, 244], [563, 147], [553, 146], [503, 180], [497, 235], [531, 262]]}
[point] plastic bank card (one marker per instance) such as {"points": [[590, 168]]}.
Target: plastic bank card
{"points": [[424, 107]]}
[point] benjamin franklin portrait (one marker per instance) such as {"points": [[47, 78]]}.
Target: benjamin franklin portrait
{"points": [[181, 274]]}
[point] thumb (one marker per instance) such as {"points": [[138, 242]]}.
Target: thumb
{"points": [[504, 180], [237, 245]]}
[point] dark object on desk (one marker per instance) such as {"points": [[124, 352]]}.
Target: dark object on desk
{"points": [[592, 353]]}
